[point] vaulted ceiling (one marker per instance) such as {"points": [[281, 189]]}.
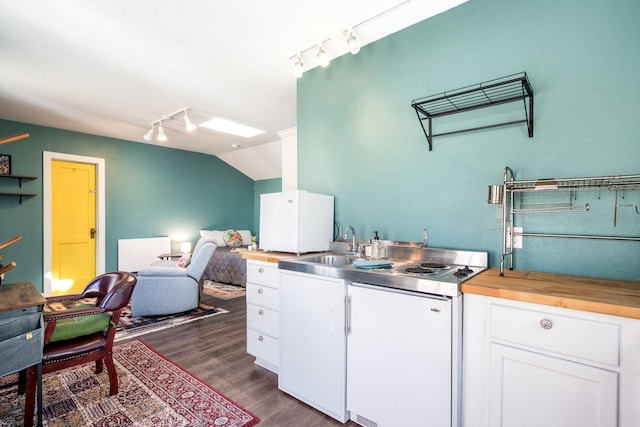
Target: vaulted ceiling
{"points": [[112, 68]]}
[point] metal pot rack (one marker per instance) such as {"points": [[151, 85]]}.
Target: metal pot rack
{"points": [[618, 183], [515, 87]]}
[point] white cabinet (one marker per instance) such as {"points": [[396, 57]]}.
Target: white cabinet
{"points": [[400, 358], [313, 341], [529, 365], [263, 322]]}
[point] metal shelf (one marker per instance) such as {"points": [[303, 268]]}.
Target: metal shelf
{"points": [[596, 183], [504, 90]]}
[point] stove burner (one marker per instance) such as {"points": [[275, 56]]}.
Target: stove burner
{"points": [[463, 272], [418, 270], [432, 265]]}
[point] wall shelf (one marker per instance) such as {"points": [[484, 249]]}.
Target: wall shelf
{"points": [[504, 90], [20, 178]]}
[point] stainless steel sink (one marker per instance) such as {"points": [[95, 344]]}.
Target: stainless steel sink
{"points": [[335, 260]]}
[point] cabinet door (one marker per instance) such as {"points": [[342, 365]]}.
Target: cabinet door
{"points": [[528, 389], [313, 342], [399, 352]]}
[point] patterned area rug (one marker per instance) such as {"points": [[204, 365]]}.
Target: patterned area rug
{"points": [[223, 290], [131, 327], [153, 391]]}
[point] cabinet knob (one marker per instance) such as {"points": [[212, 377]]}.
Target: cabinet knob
{"points": [[261, 270], [261, 312], [260, 291], [546, 324], [260, 338]]}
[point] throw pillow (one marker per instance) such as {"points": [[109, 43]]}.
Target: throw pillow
{"points": [[184, 260], [216, 236], [233, 238]]}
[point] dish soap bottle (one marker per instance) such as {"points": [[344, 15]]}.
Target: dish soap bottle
{"points": [[377, 250]]}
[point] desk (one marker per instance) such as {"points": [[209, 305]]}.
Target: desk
{"points": [[21, 332]]}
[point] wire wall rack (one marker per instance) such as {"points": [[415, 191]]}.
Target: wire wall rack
{"points": [[512, 88], [530, 202]]}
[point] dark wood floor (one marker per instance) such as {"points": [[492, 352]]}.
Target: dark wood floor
{"points": [[214, 350]]}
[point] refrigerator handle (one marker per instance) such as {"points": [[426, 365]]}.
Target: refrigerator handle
{"points": [[347, 315]]}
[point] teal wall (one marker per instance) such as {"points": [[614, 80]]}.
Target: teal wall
{"points": [[359, 138], [150, 191]]}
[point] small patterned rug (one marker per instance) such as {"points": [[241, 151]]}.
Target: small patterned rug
{"points": [[131, 327], [223, 290], [153, 391]]}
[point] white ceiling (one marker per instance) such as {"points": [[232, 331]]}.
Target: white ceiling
{"points": [[111, 68]]}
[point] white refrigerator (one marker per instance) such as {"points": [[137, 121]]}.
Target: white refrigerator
{"points": [[296, 221]]}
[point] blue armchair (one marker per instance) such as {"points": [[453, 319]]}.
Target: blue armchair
{"points": [[166, 288]]}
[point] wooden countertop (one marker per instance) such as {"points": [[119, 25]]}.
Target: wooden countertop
{"points": [[607, 296], [264, 256]]}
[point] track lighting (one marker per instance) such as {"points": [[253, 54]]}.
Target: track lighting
{"points": [[347, 34], [323, 58], [162, 137], [298, 67], [353, 44]]}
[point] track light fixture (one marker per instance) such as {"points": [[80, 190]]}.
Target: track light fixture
{"points": [[298, 67], [149, 135], [323, 58], [162, 136], [352, 42]]}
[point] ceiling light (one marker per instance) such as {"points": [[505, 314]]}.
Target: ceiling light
{"points": [[149, 135], [298, 67], [233, 128], [354, 46], [189, 125], [161, 135], [323, 58]]}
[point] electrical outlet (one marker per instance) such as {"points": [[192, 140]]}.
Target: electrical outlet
{"points": [[517, 238]]}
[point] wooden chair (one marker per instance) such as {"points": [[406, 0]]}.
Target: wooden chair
{"points": [[82, 334]]}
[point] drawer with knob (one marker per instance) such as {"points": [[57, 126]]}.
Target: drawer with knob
{"points": [[263, 319], [264, 347], [263, 273], [558, 333], [263, 295]]}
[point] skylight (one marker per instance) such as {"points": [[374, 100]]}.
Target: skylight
{"points": [[233, 128]]}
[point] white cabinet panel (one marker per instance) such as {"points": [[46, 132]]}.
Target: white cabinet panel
{"points": [[313, 342], [532, 390], [399, 358]]}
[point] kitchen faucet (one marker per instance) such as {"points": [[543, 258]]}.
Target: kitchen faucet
{"points": [[425, 238], [353, 237]]}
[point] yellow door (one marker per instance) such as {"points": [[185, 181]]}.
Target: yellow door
{"points": [[73, 219]]}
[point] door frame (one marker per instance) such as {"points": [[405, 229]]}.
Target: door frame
{"points": [[47, 158]]}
